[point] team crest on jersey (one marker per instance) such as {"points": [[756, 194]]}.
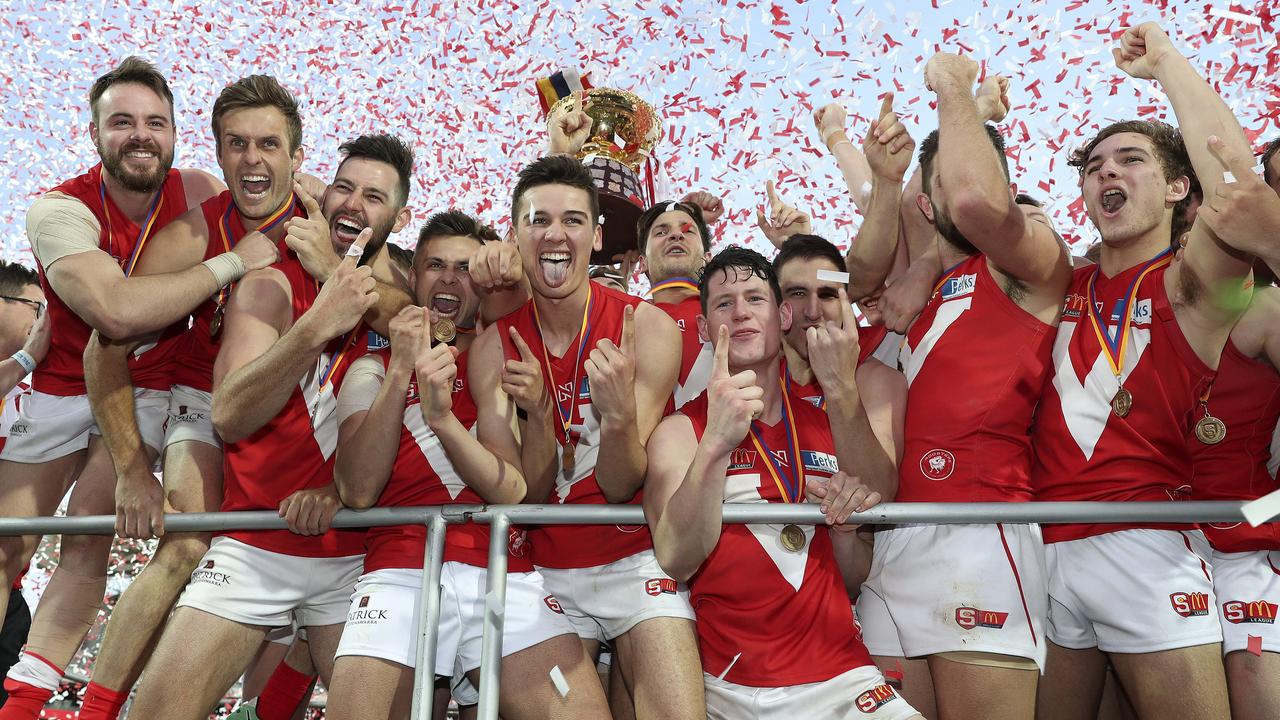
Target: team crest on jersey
{"points": [[875, 698], [958, 286], [819, 461], [741, 459], [937, 464], [658, 586], [970, 618], [518, 543], [553, 604], [377, 341], [1256, 612], [1190, 604]]}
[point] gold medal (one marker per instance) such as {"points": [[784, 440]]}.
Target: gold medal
{"points": [[1122, 403], [1210, 430], [792, 538], [566, 459], [215, 325], [444, 331]]}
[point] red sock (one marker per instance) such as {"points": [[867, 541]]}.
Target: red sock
{"points": [[102, 703], [285, 689], [25, 701]]}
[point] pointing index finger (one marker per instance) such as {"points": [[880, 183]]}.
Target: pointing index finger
{"points": [[720, 368], [1231, 161], [775, 203], [526, 355], [847, 319], [308, 202], [886, 105], [629, 331], [356, 251]]}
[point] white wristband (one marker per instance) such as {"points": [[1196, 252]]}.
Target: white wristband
{"points": [[826, 136], [23, 358], [226, 268]]}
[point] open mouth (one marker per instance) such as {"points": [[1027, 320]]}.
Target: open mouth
{"points": [[346, 229], [255, 186], [555, 266], [676, 251], [446, 304], [1112, 201]]}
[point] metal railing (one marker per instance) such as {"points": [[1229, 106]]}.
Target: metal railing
{"points": [[501, 517]]}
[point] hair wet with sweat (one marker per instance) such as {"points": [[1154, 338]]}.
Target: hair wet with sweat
{"points": [[743, 263]]}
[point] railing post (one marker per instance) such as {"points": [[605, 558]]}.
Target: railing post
{"points": [[424, 673], [495, 609]]}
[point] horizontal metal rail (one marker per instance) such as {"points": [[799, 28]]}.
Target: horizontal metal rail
{"points": [[772, 513]]}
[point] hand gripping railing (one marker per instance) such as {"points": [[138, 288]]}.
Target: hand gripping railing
{"points": [[501, 517]]}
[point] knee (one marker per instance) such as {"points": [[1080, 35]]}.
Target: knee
{"points": [[180, 554], [15, 553]]}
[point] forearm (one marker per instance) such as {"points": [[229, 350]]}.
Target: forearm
{"points": [[1201, 113], [143, 304], [494, 479], [391, 300], [872, 253], [854, 168], [109, 386], [500, 302], [250, 397], [538, 450], [11, 373], [364, 462], [858, 450], [853, 556], [621, 463], [967, 162], [689, 527]]}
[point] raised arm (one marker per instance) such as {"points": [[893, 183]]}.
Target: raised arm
{"points": [[887, 149]]}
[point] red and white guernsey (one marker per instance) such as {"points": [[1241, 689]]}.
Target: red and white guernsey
{"points": [[294, 451], [199, 348], [773, 617], [9, 405], [578, 546], [1084, 450], [423, 475], [62, 372], [975, 364], [869, 338], [696, 356], [1245, 396]]}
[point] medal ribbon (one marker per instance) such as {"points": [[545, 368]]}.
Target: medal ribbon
{"points": [[1114, 346], [347, 343], [676, 282], [143, 235], [566, 415], [793, 490], [224, 229]]}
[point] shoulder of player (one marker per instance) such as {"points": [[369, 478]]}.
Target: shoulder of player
{"points": [[265, 287], [54, 204], [199, 186], [650, 318], [1260, 323]]}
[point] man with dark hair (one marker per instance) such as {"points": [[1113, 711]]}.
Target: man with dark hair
{"points": [[87, 235], [566, 361], [1135, 355], [418, 386], [674, 244], [747, 438], [1271, 164], [1002, 292]]}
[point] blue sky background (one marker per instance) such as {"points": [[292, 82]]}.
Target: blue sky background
{"points": [[734, 82]]}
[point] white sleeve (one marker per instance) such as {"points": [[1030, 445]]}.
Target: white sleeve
{"points": [[360, 387], [58, 226]]}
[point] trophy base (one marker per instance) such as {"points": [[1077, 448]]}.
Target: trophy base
{"points": [[621, 204]]}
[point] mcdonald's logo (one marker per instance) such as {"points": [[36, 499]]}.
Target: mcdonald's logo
{"points": [[1190, 604], [1258, 611], [970, 618], [875, 698]]}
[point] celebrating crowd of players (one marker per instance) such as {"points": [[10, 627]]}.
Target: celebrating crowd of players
{"points": [[255, 337]]}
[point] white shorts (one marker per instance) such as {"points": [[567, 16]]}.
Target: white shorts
{"points": [[190, 417], [955, 588], [383, 618], [54, 426], [253, 586], [606, 601], [1132, 591], [1248, 588], [861, 693]]}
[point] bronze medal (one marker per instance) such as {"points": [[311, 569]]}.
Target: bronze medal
{"points": [[444, 331], [566, 459], [792, 538], [1210, 430], [1122, 403], [215, 325]]}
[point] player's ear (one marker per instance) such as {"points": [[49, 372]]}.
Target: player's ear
{"points": [[786, 316], [703, 334]]}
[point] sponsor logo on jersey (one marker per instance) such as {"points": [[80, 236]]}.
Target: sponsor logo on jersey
{"points": [[970, 618], [658, 586], [553, 604], [819, 461], [1074, 306], [741, 459], [937, 464], [364, 601], [209, 576], [815, 400], [584, 388], [376, 341], [1190, 604], [1258, 611], [18, 428], [780, 457], [875, 698], [190, 417], [957, 286], [363, 615]]}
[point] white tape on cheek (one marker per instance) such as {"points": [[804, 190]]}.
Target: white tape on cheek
{"points": [[557, 678], [835, 276]]}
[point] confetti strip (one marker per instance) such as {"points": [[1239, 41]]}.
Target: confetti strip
{"points": [[1263, 509], [557, 678], [732, 662], [1255, 645]]}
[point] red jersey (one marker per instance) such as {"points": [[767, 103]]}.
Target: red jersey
{"points": [[869, 338], [62, 372], [294, 451], [198, 349], [975, 364], [1084, 450], [696, 356], [423, 475], [578, 546], [1245, 396], [773, 617]]}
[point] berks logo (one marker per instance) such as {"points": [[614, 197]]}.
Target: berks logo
{"points": [[970, 618], [875, 698], [937, 464], [957, 286], [1190, 604], [1258, 611], [657, 586]]}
